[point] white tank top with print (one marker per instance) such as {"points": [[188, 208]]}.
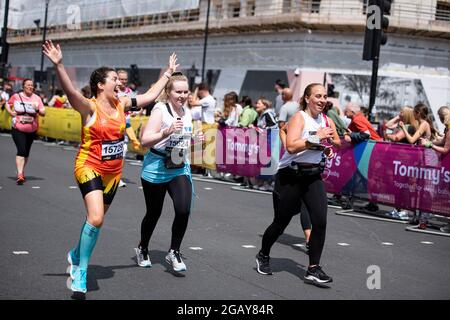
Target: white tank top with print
{"points": [[311, 126], [167, 121]]}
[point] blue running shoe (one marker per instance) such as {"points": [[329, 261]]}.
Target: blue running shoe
{"points": [[74, 262], [79, 281]]}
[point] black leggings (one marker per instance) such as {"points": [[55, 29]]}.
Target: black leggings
{"points": [[288, 194], [23, 141], [180, 190]]}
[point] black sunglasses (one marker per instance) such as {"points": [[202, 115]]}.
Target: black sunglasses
{"points": [[177, 74]]}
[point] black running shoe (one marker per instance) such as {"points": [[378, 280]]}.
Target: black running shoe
{"points": [[262, 264], [316, 275], [371, 207]]}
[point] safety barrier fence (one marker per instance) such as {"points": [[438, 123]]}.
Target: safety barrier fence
{"points": [[400, 175]]}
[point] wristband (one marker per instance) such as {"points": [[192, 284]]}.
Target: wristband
{"points": [[429, 144], [167, 74]]}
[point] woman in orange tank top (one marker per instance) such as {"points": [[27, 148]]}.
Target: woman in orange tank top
{"points": [[98, 165]]}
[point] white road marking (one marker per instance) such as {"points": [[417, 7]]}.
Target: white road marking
{"points": [[140, 187], [298, 245], [208, 188], [195, 248], [20, 252], [73, 187], [137, 164], [248, 246], [387, 243], [426, 242], [35, 187], [343, 244]]}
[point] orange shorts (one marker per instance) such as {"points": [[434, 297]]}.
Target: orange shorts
{"points": [[89, 179]]}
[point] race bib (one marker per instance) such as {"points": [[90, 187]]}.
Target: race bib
{"points": [[26, 119], [112, 150], [179, 141]]}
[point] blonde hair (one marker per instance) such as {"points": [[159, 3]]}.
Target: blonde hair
{"points": [[265, 102], [408, 117], [444, 112], [164, 96]]}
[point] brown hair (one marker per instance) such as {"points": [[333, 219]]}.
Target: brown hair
{"points": [[229, 102], [203, 86], [98, 76], [26, 80], [306, 94], [422, 111]]}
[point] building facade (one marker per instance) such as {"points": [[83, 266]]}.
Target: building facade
{"points": [[251, 43]]}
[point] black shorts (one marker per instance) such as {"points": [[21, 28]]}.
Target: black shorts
{"points": [[23, 141], [89, 179]]}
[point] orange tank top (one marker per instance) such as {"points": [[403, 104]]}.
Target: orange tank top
{"points": [[102, 141]]}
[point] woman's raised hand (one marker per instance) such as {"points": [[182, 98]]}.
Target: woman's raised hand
{"points": [[173, 63], [53, 53]]}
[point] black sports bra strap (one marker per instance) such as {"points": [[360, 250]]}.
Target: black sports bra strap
{"points": [[170, 111]]}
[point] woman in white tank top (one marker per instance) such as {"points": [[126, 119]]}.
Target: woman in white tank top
{"points": [[310, 134], [166, 169]]}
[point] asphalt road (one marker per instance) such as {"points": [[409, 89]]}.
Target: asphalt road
{"points": [[41, 220]]}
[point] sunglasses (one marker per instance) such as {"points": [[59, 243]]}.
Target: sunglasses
{"points": [[177, 74]]}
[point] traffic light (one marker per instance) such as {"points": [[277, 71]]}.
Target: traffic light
{"points": [[376, 25], [134, 75], [4, 47], [385, 6], [330, 90]]}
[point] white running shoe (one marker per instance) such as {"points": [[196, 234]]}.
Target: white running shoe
{"points": [[73, 264], [174, 259], [122, 184], [142, 258]]}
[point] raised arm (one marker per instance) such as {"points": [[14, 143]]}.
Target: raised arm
{"points": [[417, 134], [76, 99], [445, 149], [154, 91], [392, 124]]}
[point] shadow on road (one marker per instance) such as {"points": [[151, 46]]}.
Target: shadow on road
{"points": [[28, 178], [290, 240], [94, 274]]}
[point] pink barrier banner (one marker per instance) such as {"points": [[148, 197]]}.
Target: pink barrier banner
{"points": [[247, 152], [399, 175]]}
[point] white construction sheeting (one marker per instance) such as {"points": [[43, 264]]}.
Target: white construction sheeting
{"points": [[22, 13]]}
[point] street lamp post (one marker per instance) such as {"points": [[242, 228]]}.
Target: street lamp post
{"points": [[191, 74], [4, 44], [205, 44], [39, 77], [44, 34]]}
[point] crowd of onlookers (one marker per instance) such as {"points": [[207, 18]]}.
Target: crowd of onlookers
{"points": [[413, 125]]}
